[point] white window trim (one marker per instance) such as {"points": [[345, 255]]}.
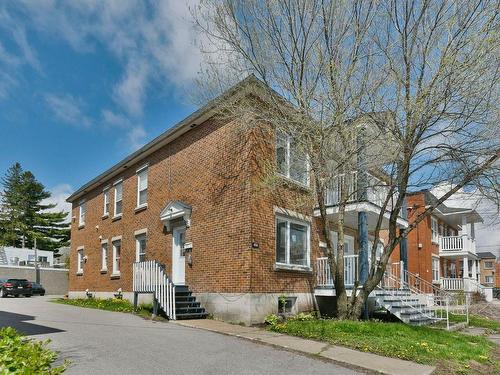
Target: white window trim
{"points": [[137, 234], [434, 230], [115, 272], [435, 258], [79, 259], [287, 175], [104, 265], [140, 170], [105, 194], [288, 265], [115, 184], [347, 238], [82, 213]]}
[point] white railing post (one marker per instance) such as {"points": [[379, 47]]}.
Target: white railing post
{"points": [[401, 274]]}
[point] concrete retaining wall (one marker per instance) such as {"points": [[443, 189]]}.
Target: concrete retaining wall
{"points": [[54, 280]]}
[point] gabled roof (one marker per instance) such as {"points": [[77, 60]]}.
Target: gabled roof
{"points": [[486, 255], [168, 136], [449, 214]]}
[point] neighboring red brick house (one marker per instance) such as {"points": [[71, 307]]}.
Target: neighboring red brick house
{"points": [[442, 248], [487, 264], [192, 200]]}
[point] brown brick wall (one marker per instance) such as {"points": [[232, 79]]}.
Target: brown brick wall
{"points": [[208, 168]]}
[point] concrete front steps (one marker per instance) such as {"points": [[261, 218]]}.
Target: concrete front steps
{"points": [[406, 306]]}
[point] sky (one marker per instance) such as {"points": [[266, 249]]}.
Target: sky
{"points": [[85, 83]]}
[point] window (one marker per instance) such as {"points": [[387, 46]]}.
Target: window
{"points": [[104, 256], [435, 269], [292, 242], [140, 246], [79, 260], [142, 187], [106, 202], [488, 279], [348, 243], [81, 215], [488, 265], [117, 247], [118, 209], [291, 162], [434, 229]]}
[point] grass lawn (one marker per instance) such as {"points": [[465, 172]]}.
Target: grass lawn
{"points": [[477, 321], [110, 304], [451, 351]]}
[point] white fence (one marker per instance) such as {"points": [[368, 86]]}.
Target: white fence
{"points": [[150, 277]]}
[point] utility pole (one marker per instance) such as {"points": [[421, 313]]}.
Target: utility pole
{"points": [[37, 271]]}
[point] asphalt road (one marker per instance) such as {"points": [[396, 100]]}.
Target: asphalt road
{"points": [[102, 342]]}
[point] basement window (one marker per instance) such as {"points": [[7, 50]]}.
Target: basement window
{"points": [[286, 304]]}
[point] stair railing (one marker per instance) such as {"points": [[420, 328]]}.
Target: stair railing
{"points": [[393, 286], [442, 300], [150, 277]]}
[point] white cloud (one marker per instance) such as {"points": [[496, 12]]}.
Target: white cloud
{"points": [[154, 41], [59, 194], [488, 232], [115, 119], [136, 138], [68, 109]]}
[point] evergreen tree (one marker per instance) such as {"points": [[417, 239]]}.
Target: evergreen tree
{"points": [[23, 216]]}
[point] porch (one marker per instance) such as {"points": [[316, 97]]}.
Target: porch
{"points": [[358, 200], [457, 246]]}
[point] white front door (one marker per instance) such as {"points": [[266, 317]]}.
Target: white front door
{"points": [[178, 258]]}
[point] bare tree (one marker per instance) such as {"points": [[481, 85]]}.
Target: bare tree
{"points": [[404, 89]]}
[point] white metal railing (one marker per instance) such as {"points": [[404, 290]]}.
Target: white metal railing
{"points": [[452, 283], [150, 277], [457, 243], [376, 192], [324, 276]]}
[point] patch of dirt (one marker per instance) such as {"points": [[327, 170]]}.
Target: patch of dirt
{"points": [[488, 310]]}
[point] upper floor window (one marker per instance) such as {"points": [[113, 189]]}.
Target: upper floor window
{"points": [[118, 208], [142, 187], [292, 242], [106, 202], [488, 279], [291, 161], [434, 229], [488, 264], [81, 214]]}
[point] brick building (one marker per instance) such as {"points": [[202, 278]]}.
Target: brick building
{"points": [[192, 200], [487, 264], [442, 248]]}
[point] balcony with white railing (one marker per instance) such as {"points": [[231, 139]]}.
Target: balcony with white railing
{"points": [[456, 246], [346, 187], [324, 277]]}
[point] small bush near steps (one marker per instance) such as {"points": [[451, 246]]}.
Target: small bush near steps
{"points": [[19, 355]]}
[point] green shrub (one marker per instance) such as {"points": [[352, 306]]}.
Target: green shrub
{"points": [[19, 355], [303, 317], [271, 319]]}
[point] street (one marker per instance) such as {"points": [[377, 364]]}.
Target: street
{"points": [[102, 342]]}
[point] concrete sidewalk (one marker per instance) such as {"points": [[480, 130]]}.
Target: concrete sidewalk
{"points": [[344, 356]]}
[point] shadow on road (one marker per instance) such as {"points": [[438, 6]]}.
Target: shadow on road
{"points": [[20, 323]]}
